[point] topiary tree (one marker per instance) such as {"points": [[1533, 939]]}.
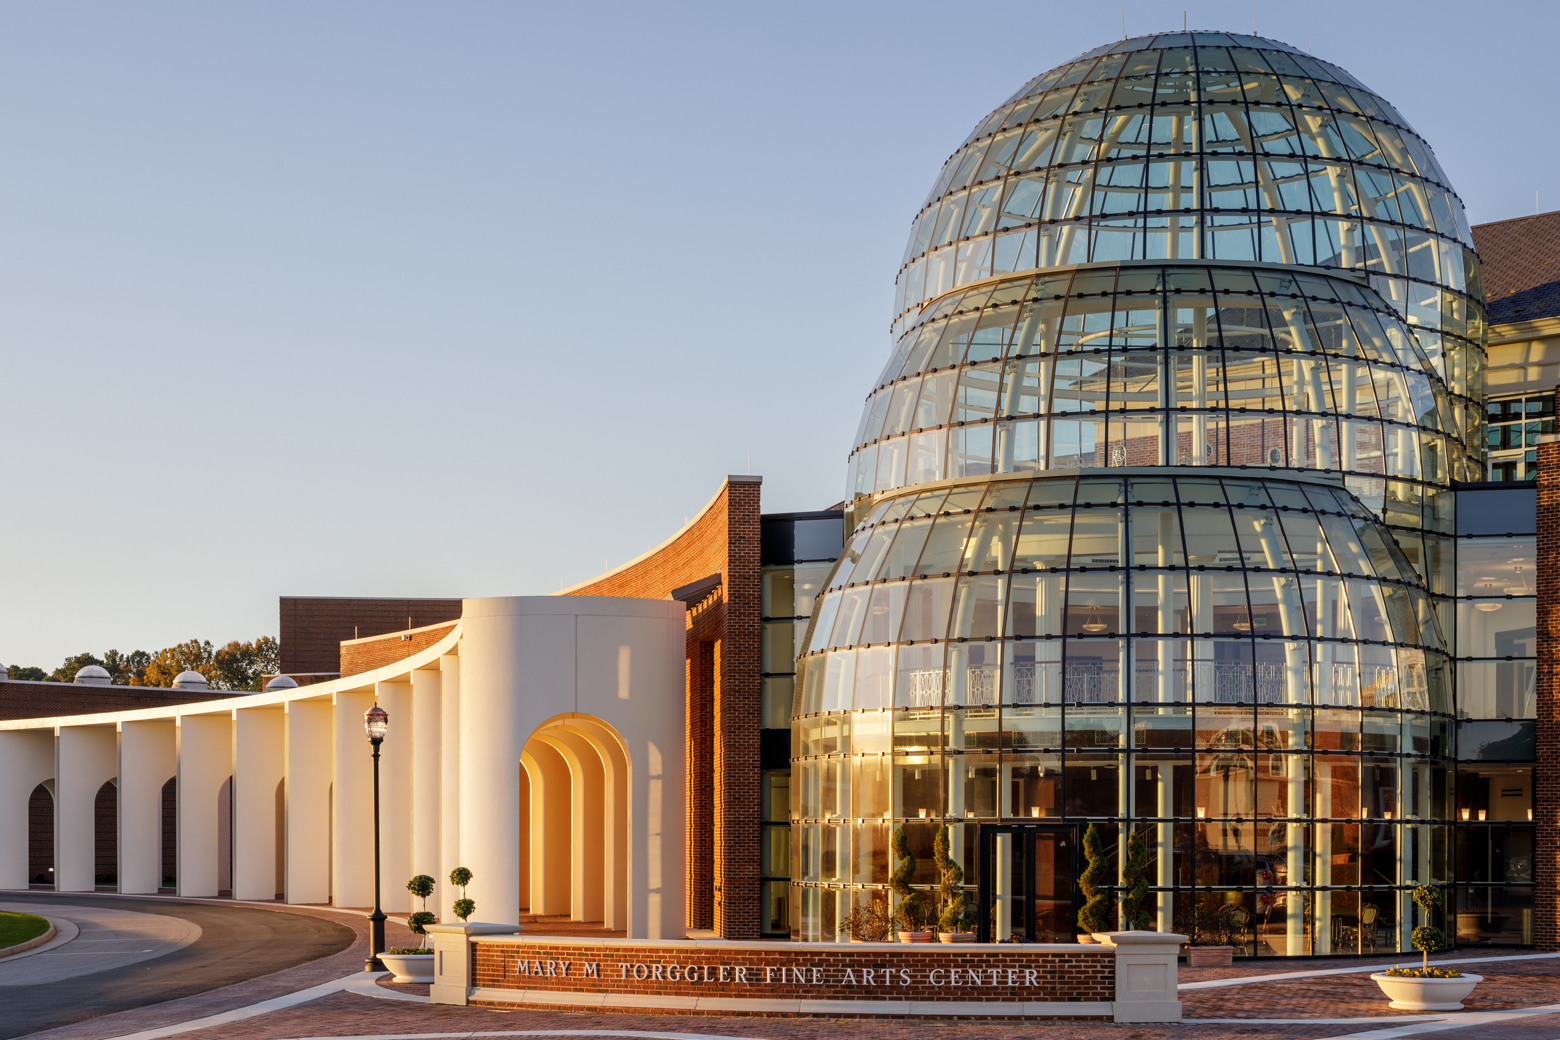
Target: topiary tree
{"points": [[1134, 881], [1427, 937], [421, 886], [909, 910], [1095, 915], [460, 877], [955, 902]]}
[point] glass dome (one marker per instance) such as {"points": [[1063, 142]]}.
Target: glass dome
{"points": [[1245, 670], [1204, 146], [1144, 364]]}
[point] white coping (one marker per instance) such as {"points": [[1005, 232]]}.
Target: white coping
{"points": [[1015, 1008], [787, 946]]}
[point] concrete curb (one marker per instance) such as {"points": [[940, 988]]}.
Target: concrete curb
{"points": [[37, 940]]}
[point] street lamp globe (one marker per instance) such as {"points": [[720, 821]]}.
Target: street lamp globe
{"points": [[376, 721]]}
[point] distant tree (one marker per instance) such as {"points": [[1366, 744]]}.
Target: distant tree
{"points": [[240, 666], [67, 671], [125, 669], [31, 674], [194, 655]]}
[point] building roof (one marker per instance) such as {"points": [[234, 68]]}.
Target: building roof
{"points": [[1521, 260]]}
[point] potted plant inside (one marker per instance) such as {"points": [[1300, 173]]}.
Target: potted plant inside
{"points": [[912, 904], [414, 963], [953, 923], [1211, 936], [1425, 988], [870, 922], [1095, 915]]}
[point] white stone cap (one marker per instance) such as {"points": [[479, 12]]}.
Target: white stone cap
{"points": [[1139, 938], [189, 681], [774, 945], [91, 675], [282, 682], [472, 929]]}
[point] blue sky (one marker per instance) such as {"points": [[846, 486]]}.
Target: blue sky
{"points": [[475, 299]]}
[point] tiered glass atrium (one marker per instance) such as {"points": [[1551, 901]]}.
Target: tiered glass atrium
{"points": [[1152, 513]]}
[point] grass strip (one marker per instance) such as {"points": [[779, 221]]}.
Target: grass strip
{"points": [[18, 928]]}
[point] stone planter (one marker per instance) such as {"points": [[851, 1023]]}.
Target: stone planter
{"points": [[1426, 994], [915, 937], [1210, 956], [1087, 939], [409, 967], [953, 937]]}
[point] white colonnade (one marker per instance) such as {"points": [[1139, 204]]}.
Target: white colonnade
{"points": [[539, 744]]}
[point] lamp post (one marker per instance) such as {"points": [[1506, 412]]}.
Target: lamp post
{"points": [[376, 721]]}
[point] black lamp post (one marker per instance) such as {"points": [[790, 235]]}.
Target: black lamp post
{"points": [[376, 721]]}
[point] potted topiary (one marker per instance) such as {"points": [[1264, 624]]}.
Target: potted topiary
{"points": [[953, 923], [1425, 988], [1095, 915], [1209, 943], [1134, 886], [911, 908], [414, 963], [869, 923], [460, 877]]}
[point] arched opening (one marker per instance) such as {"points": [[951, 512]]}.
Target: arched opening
{"points": [[170, 834], [40, 836], [281, 840], [574, 826], [225, 840], [105, 836]]}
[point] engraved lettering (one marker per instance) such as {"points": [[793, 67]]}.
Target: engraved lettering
{"points": [[935, 976], [674, 973], [954, 977], [994, 976], [1029, 976], [641, 972], [563, 968], [536, 967], [742, 974], [869, 976], [707, 974], [1010, 976], [624, 967], [769, 974], [904, 976], [591, 970], [815, 976], [550, 969], [850, 976], [723, 970], [656, 973]]}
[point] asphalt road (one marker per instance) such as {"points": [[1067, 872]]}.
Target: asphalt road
{"points": [[235, 943]]}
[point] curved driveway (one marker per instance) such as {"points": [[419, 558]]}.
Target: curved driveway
{"points": [[134, 952]]}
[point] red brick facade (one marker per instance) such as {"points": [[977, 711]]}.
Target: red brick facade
{"points": [[777, 971], [312, 628], [364, 655], [20, 699], [1546, 795], [722, 700]]}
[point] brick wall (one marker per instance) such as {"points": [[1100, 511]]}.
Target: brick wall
{"points": [[312, 628], [1546, 806], [777, 971], [20, 699], [722, 700], [364, 655], [40, 836]]}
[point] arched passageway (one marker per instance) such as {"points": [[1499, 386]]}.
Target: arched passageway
{"points": [[170, 834], [40, 836], [574, 834], [105, 835]]}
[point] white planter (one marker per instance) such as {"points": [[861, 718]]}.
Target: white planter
{"points": [[409, 967], [1427, 994]]}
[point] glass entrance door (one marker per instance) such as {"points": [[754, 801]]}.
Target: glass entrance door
{"points": [[1026, 883]]}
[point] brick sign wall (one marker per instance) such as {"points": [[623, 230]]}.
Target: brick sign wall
{"points": [[854, 972]]}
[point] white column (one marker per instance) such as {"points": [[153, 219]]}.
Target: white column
{"points": [[148, 756], [395, 792], [449, 784], [26, 760], [549, 828], [259, 761], [427, 779], [352, 838], [88, 758], [205, 763], [614, 794], [585, 821], [310, 767]]}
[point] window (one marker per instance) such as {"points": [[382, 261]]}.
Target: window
{"points": [[1514, 426]]}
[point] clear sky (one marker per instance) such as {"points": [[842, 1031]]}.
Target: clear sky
{"points": [[452, 299]]}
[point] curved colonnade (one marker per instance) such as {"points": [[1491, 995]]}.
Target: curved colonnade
{"points": [[533, 745]]}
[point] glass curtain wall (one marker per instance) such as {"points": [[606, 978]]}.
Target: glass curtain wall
{"points": [[1249, 672]]}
